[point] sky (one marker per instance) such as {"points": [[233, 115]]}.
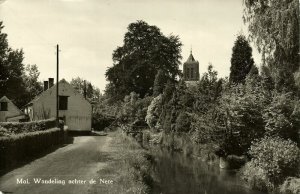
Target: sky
{"points": [[88, 31]]}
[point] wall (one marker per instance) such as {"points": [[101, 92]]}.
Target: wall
{"points": [[12, 110], [78, 117]]}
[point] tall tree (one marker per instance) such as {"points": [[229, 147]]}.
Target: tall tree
{"points": [[274, 28], [11, 70], [145, 51], [241, 60]]}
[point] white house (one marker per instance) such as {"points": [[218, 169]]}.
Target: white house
{"points": [[74, 109], [10, 112]]}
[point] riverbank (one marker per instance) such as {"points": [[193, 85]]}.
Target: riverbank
{"points": [[129, 167]]}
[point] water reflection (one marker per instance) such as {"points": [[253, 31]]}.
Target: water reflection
{"points": [[176, 174]]}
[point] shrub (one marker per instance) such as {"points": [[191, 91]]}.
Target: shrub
{"points": [[243, 106], [282, 117], [183, 122], [153, 112], [101, 121], [290, 186], [16, 148], [17, 128], [255, 177], [277, 158], [3, 132]]}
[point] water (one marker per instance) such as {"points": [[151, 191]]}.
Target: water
{"points": [[177, 174]]}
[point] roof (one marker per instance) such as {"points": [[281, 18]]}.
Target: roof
{"points": [[191, 59], [46, 91], [5, 99]]}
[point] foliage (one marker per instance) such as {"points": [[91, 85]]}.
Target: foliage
{"points": [[32, 85], [278, 158], [290, 186], [11, 70], [17, 128], [17, 82], [154, 111], [86, 88], [243, 106], [274, 27], [134, 110], [159, 83], [145, 51], [282, 117], [17, 148], [183, 122], [241, 60], [256, 177], [101, 121], [208, 91]]}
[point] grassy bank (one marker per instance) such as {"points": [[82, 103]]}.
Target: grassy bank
{"points": [[129, 168]]}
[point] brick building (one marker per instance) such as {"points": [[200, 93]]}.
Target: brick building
{"points": [[191, 69]]}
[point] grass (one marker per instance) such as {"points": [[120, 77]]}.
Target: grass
{"points": [[129, 168]]}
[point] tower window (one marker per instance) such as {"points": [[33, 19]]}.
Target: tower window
{"points": [[3, 106], [63, 102], [192, 72]]}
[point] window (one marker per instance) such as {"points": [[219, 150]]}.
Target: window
{"points": [[3, 106], [192, 73], [63, 102], [188, 73]]}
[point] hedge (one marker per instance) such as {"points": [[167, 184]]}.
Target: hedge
{"points": [[24, 127], [17, 148]]}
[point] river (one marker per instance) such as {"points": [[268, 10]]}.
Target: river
{"points": [[176, 174]]}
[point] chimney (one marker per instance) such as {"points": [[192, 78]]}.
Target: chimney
{"points": [[45, 85], [51, 82]]}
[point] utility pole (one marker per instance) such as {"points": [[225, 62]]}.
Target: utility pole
{"points": [[57, 87]]}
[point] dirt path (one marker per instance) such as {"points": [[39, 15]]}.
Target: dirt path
{"points": [[80, 160]]}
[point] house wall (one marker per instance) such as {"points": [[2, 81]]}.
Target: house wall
{"points": [[12, 111], [78, 117]]}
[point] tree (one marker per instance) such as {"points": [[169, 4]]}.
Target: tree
{"points": [[11, 71], [86, 88], [282, 117], [135, 64], [241, 60], [32, 85], [159, 83], [274, 28]]}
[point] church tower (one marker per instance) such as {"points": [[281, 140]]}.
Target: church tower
{"points": [[191, 69]]}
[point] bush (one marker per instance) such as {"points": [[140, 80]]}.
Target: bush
{"points": [[282, 117], [153, 112], [274, 159], [17, 128], [256, 177], [101, 121], [3, 132], [290, 186], [19, 147], [183, 123]]}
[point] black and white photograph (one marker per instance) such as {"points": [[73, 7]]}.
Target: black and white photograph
{"points": [[149, 97]]}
